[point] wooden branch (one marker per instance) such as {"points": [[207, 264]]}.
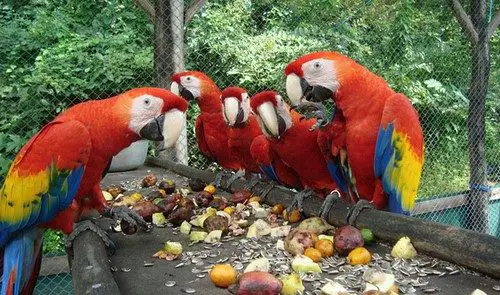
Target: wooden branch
{"points": [[148, 7], [474, 250], [193, 8], [464, 21], [90, 267], [495, 22]]}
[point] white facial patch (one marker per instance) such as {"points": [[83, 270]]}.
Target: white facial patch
{"points": [[144, 108], [192, 84], [321, 72], [293, 89]]}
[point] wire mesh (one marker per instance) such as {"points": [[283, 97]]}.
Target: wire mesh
{"points": [[57, 53]]}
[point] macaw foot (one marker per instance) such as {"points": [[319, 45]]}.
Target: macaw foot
{"points": [[218, 179], [314, 110], [328, 203], [127, 217], [356, 209], [252, 182], [270, 185], [237, 175], [83, 226], [299, 199]]}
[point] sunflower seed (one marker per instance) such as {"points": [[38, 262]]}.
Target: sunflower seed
{"points": [[454, 272], [170, 283], [114, 268], [125, 269], [201, 275], [189, 290], [179, 265], [148, 264], [496, 287], [429, 290]]}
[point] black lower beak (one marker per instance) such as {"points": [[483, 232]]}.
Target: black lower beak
{"points": [[154, 129], [239, 117], [315, 93], [185, 93]]}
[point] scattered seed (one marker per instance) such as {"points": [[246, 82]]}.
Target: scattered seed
{"points": [[429, 290], [189, 290], [496, 287], [125, 269], [170, 283], [179, 265], [148, 264], [201, 275]]}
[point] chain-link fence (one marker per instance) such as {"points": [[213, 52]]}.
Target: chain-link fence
{"points": [[56, 53]]}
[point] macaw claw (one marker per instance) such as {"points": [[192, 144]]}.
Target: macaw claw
{"points": [[356, 209], [314, 110], [328, 203], [126, 214], [299, 199]]}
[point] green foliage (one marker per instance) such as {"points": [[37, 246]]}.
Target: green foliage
{"points": [[59, 52], [53, 242]]}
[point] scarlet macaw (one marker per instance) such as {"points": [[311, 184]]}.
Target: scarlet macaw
{"points": [[212, 133], [245, 133], [243, 126], [55, 177], [384, 138], [291, 139]]}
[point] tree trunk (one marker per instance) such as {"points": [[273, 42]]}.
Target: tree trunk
{"points": [[479, 194], [169, 58]]}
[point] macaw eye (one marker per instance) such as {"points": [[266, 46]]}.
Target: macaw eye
{"points": [[317, 65], [188, 78], [147, 101]]}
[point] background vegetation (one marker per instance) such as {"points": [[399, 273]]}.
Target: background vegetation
{"points": [[59, 52]]}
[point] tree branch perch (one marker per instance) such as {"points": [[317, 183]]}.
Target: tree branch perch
{"points": [[495, 22], [464, 21]]}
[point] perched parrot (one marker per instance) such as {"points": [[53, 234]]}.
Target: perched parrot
{"points": [[55, 177], [384, 139], [291, 139], [243, 126], [211, 130]]}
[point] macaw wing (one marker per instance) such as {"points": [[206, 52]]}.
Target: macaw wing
{"points": [[200, 138], [399, 153], [44, 177], [263, 154]]}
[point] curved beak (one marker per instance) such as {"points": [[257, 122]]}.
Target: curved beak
{"points": [[299, 90], [273, 123], [173, 125], [167, 128], [178, 89], [233, 112]]}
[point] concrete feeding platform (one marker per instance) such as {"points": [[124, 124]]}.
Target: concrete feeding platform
{"points": [[132, 276]]}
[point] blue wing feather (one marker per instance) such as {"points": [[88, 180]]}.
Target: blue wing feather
{"points": [[337, 176], [269, 171]]}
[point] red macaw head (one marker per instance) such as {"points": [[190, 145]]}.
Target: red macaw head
{"points": [[194, 85], [152, 113], [236, 106], [315, 76], [272, 112]]}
